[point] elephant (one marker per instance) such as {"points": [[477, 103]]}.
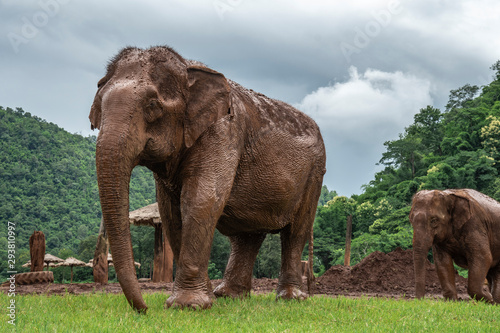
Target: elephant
{"points": [[462, 226], [222, 156]]}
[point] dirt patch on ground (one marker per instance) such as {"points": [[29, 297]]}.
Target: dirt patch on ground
{"points": [[379, 274]]}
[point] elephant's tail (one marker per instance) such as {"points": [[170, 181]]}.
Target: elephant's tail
{"points": [[310, 272]]}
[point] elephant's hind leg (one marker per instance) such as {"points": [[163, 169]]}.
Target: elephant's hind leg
{"points": [[237, 281], [290, 280], [293, 239]]}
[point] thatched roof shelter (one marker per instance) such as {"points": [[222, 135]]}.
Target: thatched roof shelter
{"points": [[110, 262], [72, 262], [147, 216], [163, 256], [28, 264], [48, 259]]}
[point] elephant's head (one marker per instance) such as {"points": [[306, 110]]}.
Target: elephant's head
{"points": [[435, 216], [150, 108]]}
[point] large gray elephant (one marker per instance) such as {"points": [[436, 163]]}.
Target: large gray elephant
{"points": [[461, 226], [223, 157]]}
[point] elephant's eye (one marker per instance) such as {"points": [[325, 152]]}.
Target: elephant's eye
{"points": [[153, 110]]}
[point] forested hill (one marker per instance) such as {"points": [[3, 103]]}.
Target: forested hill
{"points": [[458, 147], [48, 182]]}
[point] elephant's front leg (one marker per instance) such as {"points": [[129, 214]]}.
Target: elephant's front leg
{"points": [[237, 279], [446, 272], [206, 188], [192, 287]]}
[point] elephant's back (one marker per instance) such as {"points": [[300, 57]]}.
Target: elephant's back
{"points": [[267, 114]]}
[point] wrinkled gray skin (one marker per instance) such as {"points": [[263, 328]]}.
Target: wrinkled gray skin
{"points": [[222, 156], [461, 226]]}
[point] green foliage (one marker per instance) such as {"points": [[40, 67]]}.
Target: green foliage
{"points": [[218, 256], [326, 196], [48, 182], [268, 260]]}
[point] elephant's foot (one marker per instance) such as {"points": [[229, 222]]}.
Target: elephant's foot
{"points": [[481, 295], [290, 292], [197, 299], [226, 289]]}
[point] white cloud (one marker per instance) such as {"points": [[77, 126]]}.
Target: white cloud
{"points": [[369, 107], [357, 116]]}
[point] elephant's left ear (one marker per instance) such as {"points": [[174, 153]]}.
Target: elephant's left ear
{"points": [[208, 101], [95, 117], [461, 211]]}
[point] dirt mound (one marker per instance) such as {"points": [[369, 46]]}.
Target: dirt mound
{"points": [[382, 274]]}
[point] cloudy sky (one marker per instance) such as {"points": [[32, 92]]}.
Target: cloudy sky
{"points": [[361, 69]]}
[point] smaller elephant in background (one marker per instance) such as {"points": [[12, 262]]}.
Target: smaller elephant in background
{"points": [[462, 226]]}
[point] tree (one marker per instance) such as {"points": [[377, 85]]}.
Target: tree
{"points": [[490, 135], [219, 255], [326, 196], [268, 260], [402, 153], [462, 97], [496, 67], [428, 128]]}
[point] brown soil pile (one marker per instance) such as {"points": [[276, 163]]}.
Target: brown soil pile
{"points": [[390, 274]]}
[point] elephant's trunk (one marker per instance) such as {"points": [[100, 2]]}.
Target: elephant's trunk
{"points": [[420, 250], [113, 175]]}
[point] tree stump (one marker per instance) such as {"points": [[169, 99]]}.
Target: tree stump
{"points": [[163, 257], [100, 262], [37, 251]]}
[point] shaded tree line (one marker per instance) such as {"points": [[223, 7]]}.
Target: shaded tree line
{"points": [[48, 182]]}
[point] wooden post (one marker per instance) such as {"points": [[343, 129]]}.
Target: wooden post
{"points": [[305, 268], [168, 259], [100, 262], [158, 254], [347, 256], [37, 251]]}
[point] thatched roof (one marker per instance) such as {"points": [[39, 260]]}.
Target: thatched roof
{"points": [[72, 262], [50, 264], [135, 263], [110, 262], [148, 215], [49, 258]]}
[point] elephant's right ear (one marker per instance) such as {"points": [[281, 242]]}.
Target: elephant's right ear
{"points": [[208, 101], [95, 117]]}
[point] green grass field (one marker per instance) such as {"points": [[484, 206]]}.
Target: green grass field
{"points": [[111, 313]]}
